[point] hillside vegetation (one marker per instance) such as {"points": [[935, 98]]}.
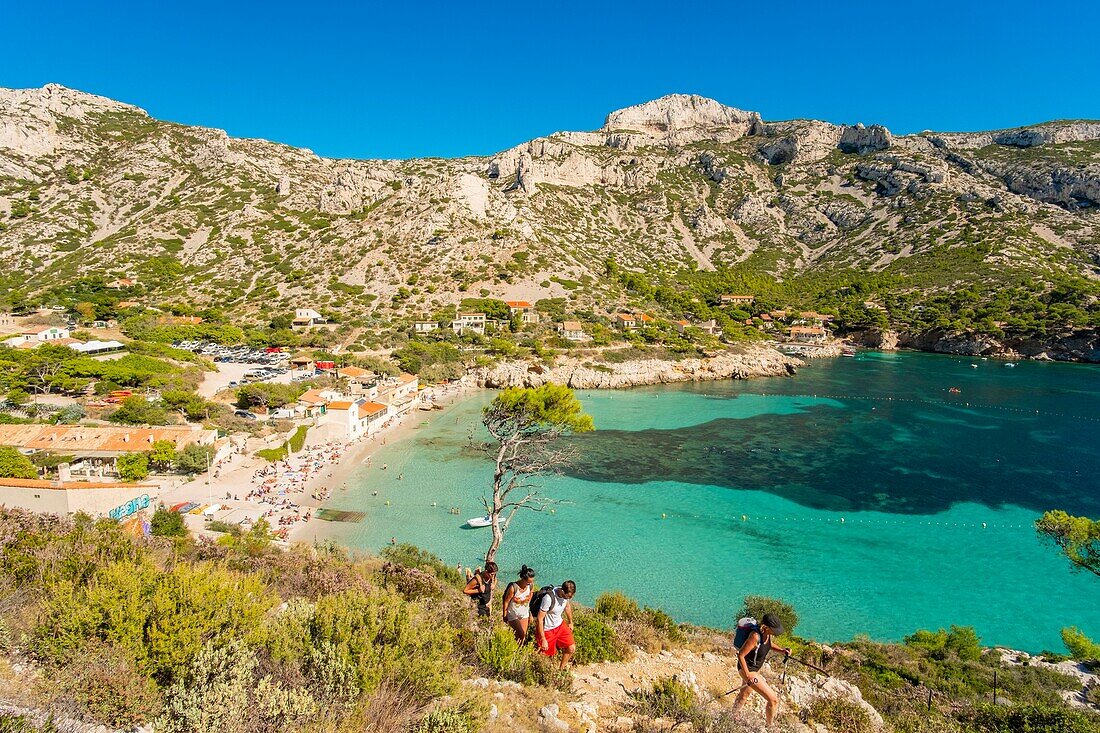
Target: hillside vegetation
{"points": [[99, 626], [990, 233]]}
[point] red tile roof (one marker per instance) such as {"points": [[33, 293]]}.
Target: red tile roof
{"points": [[31, 483], [370, 408]]}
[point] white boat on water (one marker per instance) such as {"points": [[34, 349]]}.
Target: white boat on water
{"points": [[1010, 365], [479, 521]]}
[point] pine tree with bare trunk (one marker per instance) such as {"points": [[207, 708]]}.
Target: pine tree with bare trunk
{"points": [[526, 425]]}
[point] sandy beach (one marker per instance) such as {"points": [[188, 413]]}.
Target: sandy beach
{"points": [[358, 459], [288, 493]]}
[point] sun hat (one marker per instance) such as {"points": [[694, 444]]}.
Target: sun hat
{"points": [[772, 622]]}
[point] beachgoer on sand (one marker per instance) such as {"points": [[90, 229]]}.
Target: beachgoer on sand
{"points": [[480, 587], [554, 621], [757, 641], [517, 596]]}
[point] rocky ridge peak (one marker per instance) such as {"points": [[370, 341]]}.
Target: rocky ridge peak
{"points": [[677, 113]]}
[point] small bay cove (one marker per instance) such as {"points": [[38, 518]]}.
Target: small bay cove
{"points": [[864, 491]]}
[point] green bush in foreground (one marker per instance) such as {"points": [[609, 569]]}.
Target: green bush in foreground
{"points": [[668, 698], [840, 715], [596, 641]]}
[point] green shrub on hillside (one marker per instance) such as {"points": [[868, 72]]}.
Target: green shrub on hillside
{"points": [[840, 715], [668, 698], [960, 642], [502, 656], [161, 617], [1080, 646], [221, 693], [105, 685], [449, 720], [386, 638], [596, 640], [412, 556], [1031, 718], [617, 605], [757, 606]]}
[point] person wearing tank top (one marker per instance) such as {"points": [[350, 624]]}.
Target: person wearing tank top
{"points": [[753, 654], [517, 596]]}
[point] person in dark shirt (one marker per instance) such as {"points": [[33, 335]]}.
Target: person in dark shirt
{"points": [[480, 587], [753, 654]]}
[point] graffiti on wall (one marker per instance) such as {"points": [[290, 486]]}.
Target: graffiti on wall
{"points": [[131, 507]]}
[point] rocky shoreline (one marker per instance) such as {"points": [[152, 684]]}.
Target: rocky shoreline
{"points": [[743, 362], [1080, 346]]}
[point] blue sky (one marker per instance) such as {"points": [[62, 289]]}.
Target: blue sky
{"points": [[454, 78]]}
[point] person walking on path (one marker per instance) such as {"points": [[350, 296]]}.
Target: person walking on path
{"points": [[480, 587], [517, 596], [751, 657], [554, 622]]}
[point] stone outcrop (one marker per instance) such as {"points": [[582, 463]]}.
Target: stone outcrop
{"points": [[799, 141], [679, 118], [762, 361], [862, 140]]}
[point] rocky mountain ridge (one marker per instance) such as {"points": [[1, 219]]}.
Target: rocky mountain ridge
{"points": [[89, 186]]}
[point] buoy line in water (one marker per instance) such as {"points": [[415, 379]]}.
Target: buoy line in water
{"points": [[746, 519], [915, 401]]}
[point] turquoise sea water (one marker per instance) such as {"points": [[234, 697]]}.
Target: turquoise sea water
{"points": [[857, 491]]}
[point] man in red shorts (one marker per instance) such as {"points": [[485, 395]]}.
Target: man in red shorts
{"points": [[554, 623]]}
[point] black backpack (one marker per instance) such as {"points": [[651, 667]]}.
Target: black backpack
{"points": [[536, 600]]}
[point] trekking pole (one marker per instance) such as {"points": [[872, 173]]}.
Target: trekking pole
{"points": [[736, 689], [811, 666]]}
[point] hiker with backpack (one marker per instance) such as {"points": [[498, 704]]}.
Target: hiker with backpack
{"points": [[553, 616], [753, 642], [480, 587], [517, 596]]}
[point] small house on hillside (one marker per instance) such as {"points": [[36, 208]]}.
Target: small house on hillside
{"points": [[711, 327], [632, 321], [525, 310], [37, 336], [736, 299], [425, 326], [304, 317], [572, 331], [474, 322]]}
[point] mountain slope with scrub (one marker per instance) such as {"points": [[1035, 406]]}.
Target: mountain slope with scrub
{"points": [[669, 204]]}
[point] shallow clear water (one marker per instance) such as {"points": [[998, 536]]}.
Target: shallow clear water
{"points": [[857, 491]]}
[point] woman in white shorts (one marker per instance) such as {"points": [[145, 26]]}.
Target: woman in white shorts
{"points": [[517, 596]]}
